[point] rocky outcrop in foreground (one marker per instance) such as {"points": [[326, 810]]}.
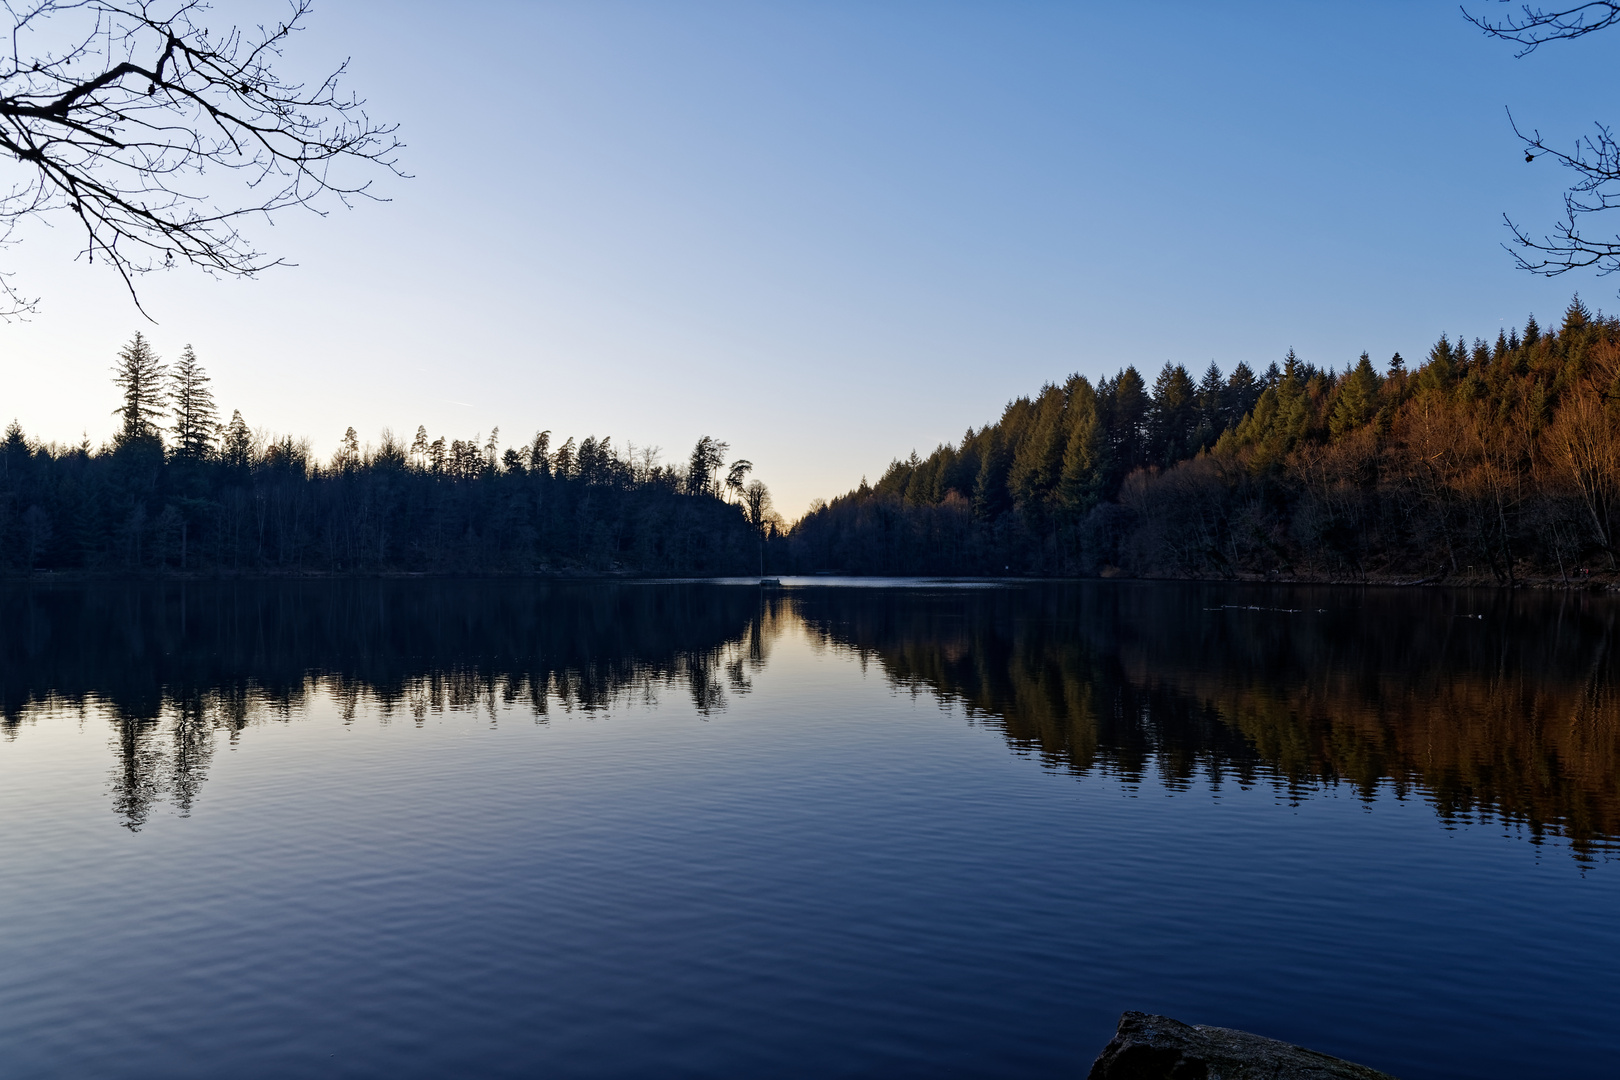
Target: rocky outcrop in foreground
{"points": [[1148, 1047]]}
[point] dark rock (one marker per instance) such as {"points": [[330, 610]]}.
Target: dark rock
{"points": [[1150, 1047]]}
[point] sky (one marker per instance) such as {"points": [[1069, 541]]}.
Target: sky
{"points": [[830, 233]]}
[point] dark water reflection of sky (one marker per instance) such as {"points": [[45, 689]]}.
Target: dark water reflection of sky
{"points": [[495, 828]]}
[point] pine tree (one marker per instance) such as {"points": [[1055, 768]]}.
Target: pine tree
{"points": [[1172, 416], [1242, 391], [562, 464], [707, 456], [1441, 370], [1357, 399], [1084, 453], [347, 458], [1577, 316], [540, 454], [139, 375], [236, 442], [1210, 395], [990, 498], [1039, 456], [492, 450], [195, 417], [14, 449], [1126, 415]]}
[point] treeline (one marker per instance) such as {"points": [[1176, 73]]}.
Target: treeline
{"points": [[1492, 460], [177, 489]]}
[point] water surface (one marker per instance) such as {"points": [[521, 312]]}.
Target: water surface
{"points": [[432, 828]]}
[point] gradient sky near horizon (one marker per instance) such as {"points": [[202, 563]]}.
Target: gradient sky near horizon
{"points": [[831, 232]]}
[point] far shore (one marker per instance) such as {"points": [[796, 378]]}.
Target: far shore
{"points": [[1590, 582]]}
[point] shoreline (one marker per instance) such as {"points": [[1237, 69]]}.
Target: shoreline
{"points": [[1608, 582]]}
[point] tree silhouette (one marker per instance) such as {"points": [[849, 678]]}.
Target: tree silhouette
{"points": [[139, 374], [120, 109], [737, 475], [707, 456], [236, 445], [195, 417], [1595, 159]]}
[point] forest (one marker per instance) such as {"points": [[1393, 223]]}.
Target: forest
{"points": [[1490, 462], [178, 490]]}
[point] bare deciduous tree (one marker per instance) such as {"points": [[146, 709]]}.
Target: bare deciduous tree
{"points": [[1594, 159], [118, 111]]}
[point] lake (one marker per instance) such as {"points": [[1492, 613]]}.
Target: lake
{"points": [[840, 828]]}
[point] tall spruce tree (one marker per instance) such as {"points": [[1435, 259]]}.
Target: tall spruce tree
{"points": [[139, 375], [195, 417]]}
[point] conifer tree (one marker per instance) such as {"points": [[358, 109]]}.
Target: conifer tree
{"points": [[236, 442], [540, 454], [1039, 456], [1577, 316], [13, 449], [1172, 416], [1124, 407], [1210, 419], [347, 458], [990, 487], [562, 462], [1242, 391], [707, 456], [1357, 397], [1441, 369], [738, 474], [195, 417], [138, 374], [1084, 452]]}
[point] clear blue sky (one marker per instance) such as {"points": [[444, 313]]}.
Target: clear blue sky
{"points": [[830, 232]]}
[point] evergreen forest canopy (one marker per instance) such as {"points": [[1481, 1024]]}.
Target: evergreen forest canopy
{"points": [[177, 489], [1491, 461]]}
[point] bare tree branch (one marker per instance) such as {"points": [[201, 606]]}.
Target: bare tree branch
{"points": [[1530, 27], [121, 127], [1595, 159], [1596, 162]]}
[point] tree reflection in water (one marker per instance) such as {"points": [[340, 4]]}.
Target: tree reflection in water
{"points": [[1491, 705], [171, 666]]}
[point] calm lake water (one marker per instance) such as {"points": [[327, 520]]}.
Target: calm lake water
{"points": [[430, 828]]}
